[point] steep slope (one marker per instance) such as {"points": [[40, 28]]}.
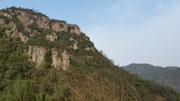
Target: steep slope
{"points": [[167, 76], [49, 60]]}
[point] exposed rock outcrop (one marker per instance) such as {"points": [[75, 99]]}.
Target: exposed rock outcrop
{"points": [[12, 32], [43, 22], [2, 22], [60, 60], [37, 55], [25, 18], [59, 26], [65, 60], [56, 59], [22, 37], [75, 46], [51, 37], [74, 29], [11, 28], [25, 23], [28, 18], [6, 15]]}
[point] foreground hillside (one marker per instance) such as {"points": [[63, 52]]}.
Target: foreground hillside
{"points": [[169, 76], [49, 60]]}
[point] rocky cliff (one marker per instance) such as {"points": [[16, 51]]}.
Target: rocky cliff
{"points": [[24, 24]]}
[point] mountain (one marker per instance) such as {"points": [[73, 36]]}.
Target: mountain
{"points": [[166, 76], [43, 59]]}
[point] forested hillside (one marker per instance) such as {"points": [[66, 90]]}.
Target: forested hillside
{"points": [[166, 76]]}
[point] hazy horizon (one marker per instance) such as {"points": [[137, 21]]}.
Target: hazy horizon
{"points": [[128, 31]]}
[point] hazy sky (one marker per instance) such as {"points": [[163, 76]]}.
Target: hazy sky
{"points": [[128, 31]]}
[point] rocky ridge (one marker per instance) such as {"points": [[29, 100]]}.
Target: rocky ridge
{"points": [[23, 23]]}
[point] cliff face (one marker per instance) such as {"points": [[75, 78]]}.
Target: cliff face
{"points": [[37, 55], [59, 26], [11, 29], [27, 18], [60, 59], [32, 24]]}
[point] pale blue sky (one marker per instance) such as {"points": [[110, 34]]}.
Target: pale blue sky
{"points": [[128, 31]]}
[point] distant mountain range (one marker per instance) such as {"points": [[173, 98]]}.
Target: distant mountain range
{"points": [[166, 76]]}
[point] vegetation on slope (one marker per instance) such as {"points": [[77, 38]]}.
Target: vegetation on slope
{"points": [[91, 76], [168, 76]]}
